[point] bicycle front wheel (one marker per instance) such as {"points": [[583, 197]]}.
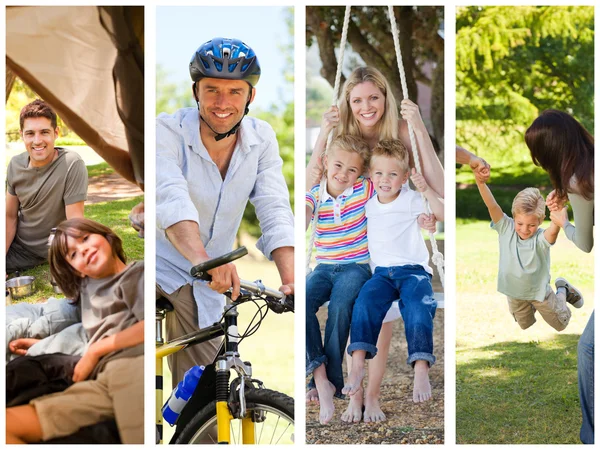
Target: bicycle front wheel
{"points": [[273, 424]]}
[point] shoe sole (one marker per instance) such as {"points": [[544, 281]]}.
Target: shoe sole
{"points": [[570, 290]]}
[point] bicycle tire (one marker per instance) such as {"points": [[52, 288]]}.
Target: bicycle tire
{"points": [[201, 429]]}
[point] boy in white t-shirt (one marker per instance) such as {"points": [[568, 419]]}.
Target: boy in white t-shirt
{"points": [[399, 259]]}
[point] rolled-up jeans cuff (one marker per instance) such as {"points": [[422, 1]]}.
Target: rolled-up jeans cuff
{"points": [[369, 348], [421, 356], [312, 365]]}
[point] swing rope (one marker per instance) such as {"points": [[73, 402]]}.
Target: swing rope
{"points": [[437, 258], [336, 91]]}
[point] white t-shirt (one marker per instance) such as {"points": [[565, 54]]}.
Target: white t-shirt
{"points": [[393, 232]]}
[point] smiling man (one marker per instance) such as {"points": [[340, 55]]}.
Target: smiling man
{"points": [[45, 186], [210, 162]]}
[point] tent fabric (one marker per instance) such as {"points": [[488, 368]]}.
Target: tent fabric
{"points": [[91, 75]]}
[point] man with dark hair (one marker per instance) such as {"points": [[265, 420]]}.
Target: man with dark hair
{"points": [[45, 186]]}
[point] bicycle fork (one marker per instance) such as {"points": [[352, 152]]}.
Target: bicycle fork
{"points": [[223, 365]]}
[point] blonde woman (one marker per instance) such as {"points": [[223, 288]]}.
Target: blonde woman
{"points": [[368, 109]]}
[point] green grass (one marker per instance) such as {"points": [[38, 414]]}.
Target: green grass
{"points": [[99, 169], [514, 386], [112, 214]]}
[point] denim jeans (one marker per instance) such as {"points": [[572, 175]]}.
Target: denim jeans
{"points": [[412, 284], [338, 284], [585, 376]]}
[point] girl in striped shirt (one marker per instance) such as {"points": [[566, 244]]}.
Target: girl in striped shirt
{"points": [[342, 262]]}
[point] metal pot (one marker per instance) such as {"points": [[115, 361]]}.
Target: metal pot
{"points": [[20, 286]]}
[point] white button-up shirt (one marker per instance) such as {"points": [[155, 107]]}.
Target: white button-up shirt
{"points": [[189, 186]]}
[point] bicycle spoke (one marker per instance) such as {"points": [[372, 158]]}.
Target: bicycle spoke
{"points": [[276, 425], [261, 430], [286, 428]]}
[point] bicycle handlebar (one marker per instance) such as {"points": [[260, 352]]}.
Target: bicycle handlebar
{"points": [[201, 270], [278, 302]]}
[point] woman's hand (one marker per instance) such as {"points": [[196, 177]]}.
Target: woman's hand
{"points": [[86, 364], [410, 112], [21, 346], [314, 176], [554, 202], [559, 217], [331, 119], [480, 168], [419, 181]]}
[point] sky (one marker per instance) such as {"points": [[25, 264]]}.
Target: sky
{"points": [[181, 30]]}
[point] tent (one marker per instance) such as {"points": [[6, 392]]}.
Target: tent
{"points": [[87, 62]]}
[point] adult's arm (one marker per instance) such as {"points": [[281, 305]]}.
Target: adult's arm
{"points": [[76, 186], [477, 164], [12, 217], [314, 169], [270, 197], [432, 168], [74, 210], [582, 233], [284, 260], [177, 215]]}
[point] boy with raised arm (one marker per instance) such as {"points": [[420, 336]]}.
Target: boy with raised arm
{"points": [[524, 268]]}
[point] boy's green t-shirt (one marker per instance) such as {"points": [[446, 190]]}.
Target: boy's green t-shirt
{"points": [[524, 268]]}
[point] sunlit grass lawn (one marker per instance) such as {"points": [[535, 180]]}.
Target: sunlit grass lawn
{"points": [[514, 386]]}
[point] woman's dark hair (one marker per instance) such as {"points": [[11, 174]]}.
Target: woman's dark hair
{"points": [[563, 148], [67, 278]]}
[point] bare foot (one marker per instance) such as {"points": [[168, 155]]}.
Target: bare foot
{"points": [[326, 392], [354, 411], [421, 388], [354, 383], [373, 412], [312, 396]]}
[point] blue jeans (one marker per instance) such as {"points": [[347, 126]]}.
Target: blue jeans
{"points": [[338, 284], [412, 284], [585, 376]]}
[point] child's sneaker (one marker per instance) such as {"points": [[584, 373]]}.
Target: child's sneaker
{"points": [[574, 297]]}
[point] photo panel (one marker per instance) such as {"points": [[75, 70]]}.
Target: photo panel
{"points": [[524, 224], [75, 224], [374, 285], [224, 214]]}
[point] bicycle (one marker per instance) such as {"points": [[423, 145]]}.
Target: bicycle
{"points": [[217, 406]]}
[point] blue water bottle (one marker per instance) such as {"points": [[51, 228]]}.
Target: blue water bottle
{"points": [[182, 393]]}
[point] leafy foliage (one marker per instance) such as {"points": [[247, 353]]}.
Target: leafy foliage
{"points": [[513, 62]]}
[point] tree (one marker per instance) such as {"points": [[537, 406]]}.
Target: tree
{"points": [[513, 64], [370, 36]]}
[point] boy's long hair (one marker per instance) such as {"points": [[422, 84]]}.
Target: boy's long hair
{"points": [[563, 148], [529, 202], [387, 126], [67, 278]]}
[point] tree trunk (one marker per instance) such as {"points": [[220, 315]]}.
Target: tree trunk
{"points": [[437, 104], [322, 31]]}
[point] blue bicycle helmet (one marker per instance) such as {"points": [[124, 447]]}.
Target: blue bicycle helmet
{"points": [[225, 58]]}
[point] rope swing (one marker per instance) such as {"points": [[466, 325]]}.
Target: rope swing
{"points": [[437, 258]]}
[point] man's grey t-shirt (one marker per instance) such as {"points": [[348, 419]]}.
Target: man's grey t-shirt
{"points": [[524, 268], [112, 304], [43, 193]]}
